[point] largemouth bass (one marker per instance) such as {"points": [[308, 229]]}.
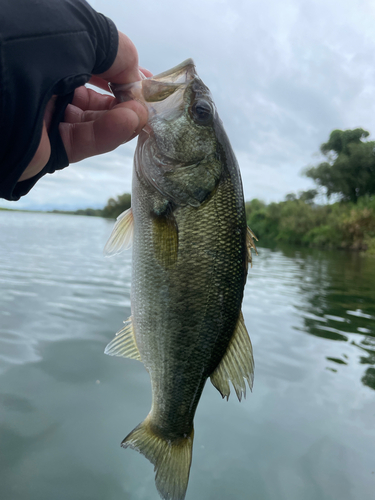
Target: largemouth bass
{"points": [[191, 249]]}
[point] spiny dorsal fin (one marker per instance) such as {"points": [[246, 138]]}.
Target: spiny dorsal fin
{"points": [[250, 237], [165, 238], [124, 344], [122, 234], [237, 364], [171, 458]]}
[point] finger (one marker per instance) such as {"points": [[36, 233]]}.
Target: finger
{"points": [[116, 126], [43, 153], [49, 111], [103, 84], [99, 82], [73, 114], [41, 157], [125, 67], [145, 71], [86, 99]]}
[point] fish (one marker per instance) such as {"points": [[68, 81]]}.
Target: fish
{"points": [[190, 257]]}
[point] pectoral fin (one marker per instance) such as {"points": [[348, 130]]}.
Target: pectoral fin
{"points": [[237, 364], [250, 237], [165, 238], [122, 234], [124, 344]]}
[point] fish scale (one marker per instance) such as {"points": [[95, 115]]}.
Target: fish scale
{"points": [[191, 249]]}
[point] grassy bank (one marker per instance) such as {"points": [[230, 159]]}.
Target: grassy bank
{"points": [[340, 225]]}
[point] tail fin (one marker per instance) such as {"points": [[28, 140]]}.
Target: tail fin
{"points": [[171, 458]]}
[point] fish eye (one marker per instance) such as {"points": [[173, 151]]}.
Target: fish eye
{"points": [[202, 112]]}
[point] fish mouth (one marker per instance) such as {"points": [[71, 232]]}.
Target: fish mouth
{"points": [[156, 88], [182, 73], [163, 94]]}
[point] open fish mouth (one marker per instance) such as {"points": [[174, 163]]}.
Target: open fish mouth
{"points": [[162, 94], [180, 74]]}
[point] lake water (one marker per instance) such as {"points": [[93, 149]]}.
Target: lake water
{"points": [[305, 433]]}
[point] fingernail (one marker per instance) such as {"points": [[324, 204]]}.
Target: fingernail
{"points": [[131, 137]]}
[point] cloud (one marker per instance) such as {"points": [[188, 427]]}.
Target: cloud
{"points": [[89, 183], [283, 75]]}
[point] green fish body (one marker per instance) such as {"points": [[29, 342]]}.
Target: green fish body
{"points": [[191, 249]]}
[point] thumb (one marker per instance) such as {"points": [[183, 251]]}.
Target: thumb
{"points": [[125, 67]]}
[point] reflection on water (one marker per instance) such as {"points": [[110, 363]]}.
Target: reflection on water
{"points": [[306, 432], [339, 289]]}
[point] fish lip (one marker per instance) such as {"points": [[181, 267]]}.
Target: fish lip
{"points": [[185, 70], [183, 73]]}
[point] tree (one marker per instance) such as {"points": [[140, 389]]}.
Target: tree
{"points": [[350, 167], [308, 196], [290, 197], [116, 206]]}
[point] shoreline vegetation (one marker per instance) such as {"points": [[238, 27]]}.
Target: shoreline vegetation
{"points": [[349, 224], [296, 221]]}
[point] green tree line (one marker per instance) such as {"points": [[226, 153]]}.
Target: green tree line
{"points": [[348, 173], [349, 169], [114, 207], [299, 221]]}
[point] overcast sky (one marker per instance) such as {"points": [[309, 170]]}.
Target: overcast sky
{"points": [[283, 75]]}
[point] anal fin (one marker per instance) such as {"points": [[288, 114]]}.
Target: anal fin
{"points": [[236, 365], [122, 235], [124, 344]]}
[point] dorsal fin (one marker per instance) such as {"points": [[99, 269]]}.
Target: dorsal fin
{"points": [[236, 365]]}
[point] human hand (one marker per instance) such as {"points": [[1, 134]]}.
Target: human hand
{"points": [[95, 123]]}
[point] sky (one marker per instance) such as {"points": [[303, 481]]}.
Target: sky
{"points": [[283, 75]]}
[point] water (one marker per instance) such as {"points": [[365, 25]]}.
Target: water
{"points": [[305, 433]]}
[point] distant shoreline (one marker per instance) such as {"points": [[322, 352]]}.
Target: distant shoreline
{"points": [[295, 221], [89, 212]]}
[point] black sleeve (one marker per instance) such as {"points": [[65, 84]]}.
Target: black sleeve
{"points": [[47, 47]]}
